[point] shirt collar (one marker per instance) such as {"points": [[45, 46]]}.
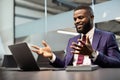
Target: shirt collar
{"points": [[90, 33]]}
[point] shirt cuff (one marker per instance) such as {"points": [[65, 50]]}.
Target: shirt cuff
{"points": [[94, 55], [53, 58]]}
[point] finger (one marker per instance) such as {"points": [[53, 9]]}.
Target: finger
{"points": [[40, 51], [44, 43], [75, 52], [34, 51], [87, 40], [82, 42], [75, 44], [36, 47], [76, 48]]}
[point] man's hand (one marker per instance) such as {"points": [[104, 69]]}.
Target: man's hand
{"points": [[45, 51], [84, 48]]}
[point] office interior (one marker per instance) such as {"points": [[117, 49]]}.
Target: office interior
{"points": [[32, 21]]}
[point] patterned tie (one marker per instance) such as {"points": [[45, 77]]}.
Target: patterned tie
{"points": [[80, 56]]}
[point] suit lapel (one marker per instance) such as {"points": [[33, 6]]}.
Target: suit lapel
{"points": [[69, 54], [96, 39]]}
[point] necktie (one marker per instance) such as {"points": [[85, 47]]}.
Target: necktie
{"points": [[80, 56]]}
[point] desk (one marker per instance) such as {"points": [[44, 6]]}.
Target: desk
{"points": [[100, 74]]}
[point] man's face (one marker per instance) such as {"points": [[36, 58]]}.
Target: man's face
{"points": [[83, 21]]}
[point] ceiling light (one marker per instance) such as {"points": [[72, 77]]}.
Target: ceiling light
{"points": [[67, 32]]}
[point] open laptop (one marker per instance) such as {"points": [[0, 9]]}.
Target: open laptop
{"points": [[24, 58]]}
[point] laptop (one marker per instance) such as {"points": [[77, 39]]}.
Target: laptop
{"points": [[25, 59]]}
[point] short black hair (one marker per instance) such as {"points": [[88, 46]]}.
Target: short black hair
{"points": [[86, 7]]}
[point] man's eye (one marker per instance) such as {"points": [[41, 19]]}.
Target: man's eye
{"points": [[80, 17], [75, 19]]}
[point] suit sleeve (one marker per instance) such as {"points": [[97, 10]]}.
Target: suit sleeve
{"points": [[111, 57]]}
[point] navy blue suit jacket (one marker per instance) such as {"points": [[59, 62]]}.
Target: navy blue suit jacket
{"points": [[104, 42]]}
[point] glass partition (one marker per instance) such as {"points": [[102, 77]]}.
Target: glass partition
{"points": [[33, 24], [37, 20]]}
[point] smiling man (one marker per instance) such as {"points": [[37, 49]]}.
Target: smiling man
{"points": [[92, 46]]}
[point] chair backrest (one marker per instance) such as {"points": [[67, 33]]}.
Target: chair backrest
{"points": [[9, 61]]}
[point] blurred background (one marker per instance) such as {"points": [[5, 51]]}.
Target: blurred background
{"points": [[32, 21]]}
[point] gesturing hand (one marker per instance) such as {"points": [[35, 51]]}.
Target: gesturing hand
{"points": [[84, 48], [45, 51]]}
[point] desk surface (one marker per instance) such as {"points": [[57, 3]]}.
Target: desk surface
{"points": [[100, 74]]}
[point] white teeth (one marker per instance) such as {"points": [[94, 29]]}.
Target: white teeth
{"points": [[79, 26]]}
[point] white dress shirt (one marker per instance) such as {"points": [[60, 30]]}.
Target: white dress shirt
{"points": [[87, 60]]}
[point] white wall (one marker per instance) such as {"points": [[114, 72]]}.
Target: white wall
{"points": [[6, 24]]}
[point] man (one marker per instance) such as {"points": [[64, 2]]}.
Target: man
{"points": [[99, 47]]}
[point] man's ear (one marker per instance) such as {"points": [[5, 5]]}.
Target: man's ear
{"points": [[92, 16]]}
